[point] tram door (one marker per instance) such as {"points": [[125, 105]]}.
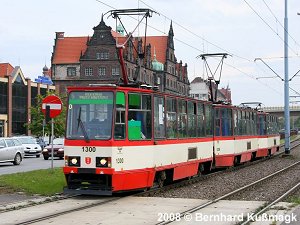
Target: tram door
{"points": [[1, 128]]}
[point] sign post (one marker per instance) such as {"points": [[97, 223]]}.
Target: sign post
{"points": [[51, 107]]}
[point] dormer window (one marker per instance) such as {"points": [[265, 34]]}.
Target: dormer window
{"points": [[102, 55]]}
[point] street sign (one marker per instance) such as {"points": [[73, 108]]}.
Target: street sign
{"points": [[54, 103]]}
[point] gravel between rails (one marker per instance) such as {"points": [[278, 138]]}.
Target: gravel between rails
{"points": [[270, 189], [224, 183]]}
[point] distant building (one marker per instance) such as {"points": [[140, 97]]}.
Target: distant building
{"points": [[17, 95], [79, 61], [227, 94], [200, 89]]}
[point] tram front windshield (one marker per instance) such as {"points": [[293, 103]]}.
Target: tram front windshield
{"points": [[90, 115]]}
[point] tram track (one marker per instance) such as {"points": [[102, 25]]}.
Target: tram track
{"points": [[68, 211], [230, 195], [151, 192], [193, 180]]}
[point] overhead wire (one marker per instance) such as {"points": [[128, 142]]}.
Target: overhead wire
{"points": [[202, 38], [268, 25], [251, 76], [273, 14], [197, 49]]}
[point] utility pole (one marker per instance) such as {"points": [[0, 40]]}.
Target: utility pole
{"points": [[286, 85]]}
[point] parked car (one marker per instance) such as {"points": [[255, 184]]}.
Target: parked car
{"points": [[41, 141], [32, 148], [58, 149], [11, 150]]}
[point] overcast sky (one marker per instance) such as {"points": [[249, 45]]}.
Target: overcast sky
{"points": [[27, 32]]}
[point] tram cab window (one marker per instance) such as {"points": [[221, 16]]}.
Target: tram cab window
{"points": [[90, 115], [139, 116], [171, 119], [159, 117], [120, 125]]}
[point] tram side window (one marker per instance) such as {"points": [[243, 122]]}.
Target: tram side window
{"points": [[208, 120], [139, 116], [247, 119], [217, 122], [239, 122], [235, 122], [268, 124], [254, 123], [120, 125], [182, 119], [191, 119], [171, 118], [244, 123], [159, 117], [226, 122], [200, 120], [262, 125], [276, 125]]}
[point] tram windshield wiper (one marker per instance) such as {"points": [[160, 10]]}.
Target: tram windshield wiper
{"points": [[80, 123]]}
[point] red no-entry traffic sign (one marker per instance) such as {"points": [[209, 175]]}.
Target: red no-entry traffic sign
{"points": [[55, 105]]}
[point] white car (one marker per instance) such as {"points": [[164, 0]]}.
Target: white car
{"points": [[31, 147], [11, 150]]}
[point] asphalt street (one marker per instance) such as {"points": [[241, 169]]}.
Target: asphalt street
{"points": [[29, 164]]}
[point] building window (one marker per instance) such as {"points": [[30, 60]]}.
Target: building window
{"points": [[88, 71], [115, 71], [71, 71], [102, 71], [102, 55]]}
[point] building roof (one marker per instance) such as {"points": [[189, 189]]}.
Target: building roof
{"points": [[68, 49], [5, 69], [160, 45], [197, 80]]}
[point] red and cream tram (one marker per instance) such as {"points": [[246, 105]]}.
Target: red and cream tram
{"points": [[126, 138]]}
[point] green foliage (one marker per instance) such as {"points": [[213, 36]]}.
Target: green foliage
{"points": [[44, 182], [37, 117], [294, 199]]}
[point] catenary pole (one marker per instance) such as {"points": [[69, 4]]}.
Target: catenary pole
{"points": [[286, 85]]}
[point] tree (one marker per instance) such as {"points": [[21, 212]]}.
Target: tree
{"points": [[37, 118]]}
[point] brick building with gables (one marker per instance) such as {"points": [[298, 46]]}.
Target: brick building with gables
{"points": [[80, 61]]}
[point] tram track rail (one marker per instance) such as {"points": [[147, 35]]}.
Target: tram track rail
{"points": [[192, 180], [270, 204], [151, 192], [241, 189], [54, 215]]}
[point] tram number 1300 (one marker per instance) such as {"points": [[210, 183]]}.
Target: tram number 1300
{"points": [[89, 149]]}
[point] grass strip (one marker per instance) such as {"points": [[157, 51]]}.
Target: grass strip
{"points": [[43, 182]]}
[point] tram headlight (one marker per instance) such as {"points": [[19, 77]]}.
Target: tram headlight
{"points": [[74, 161], [103, 161]]}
